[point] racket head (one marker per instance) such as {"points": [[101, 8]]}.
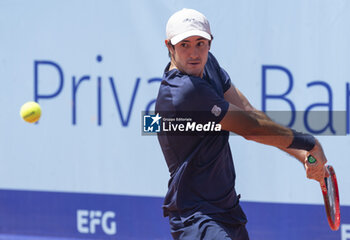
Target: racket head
{"points": [[331, 199]]}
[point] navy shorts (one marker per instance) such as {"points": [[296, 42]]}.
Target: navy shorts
{"points": [[206, 227]]}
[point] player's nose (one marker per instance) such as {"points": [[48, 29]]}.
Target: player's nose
{"points": [[194, 53]]}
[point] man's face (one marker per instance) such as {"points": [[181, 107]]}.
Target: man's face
{"points": [[190, 55]]}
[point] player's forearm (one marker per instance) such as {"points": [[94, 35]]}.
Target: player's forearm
{"points": [[262, 129], [299, 154], [253, 126], [270, 133]]}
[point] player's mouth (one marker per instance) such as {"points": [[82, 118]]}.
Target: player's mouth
{"points": [[193, 63]]}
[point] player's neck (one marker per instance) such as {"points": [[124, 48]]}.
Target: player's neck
{"points": [[173, 66]]}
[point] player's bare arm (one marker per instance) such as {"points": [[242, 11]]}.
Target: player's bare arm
{"points": [[257, 126], [249, 126], [236, 97]]}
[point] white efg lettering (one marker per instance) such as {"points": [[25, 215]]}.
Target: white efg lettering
{"points": [[110, 229], [82, 221], [95, 217], [88, 221]]}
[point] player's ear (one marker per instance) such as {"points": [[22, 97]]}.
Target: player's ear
{"points": [[168, 44], [170, 47]]}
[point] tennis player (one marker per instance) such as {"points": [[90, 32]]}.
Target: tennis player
{"points": [[201, 202]]}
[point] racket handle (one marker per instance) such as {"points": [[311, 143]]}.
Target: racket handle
{"points": [[311, 159]]}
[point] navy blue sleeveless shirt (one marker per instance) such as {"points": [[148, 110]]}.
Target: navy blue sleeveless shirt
{"points": [[202, 174]]}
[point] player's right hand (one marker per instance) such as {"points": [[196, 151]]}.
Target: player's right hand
{"points": [[317, 170]]}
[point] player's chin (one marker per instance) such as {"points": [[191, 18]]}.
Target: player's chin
{"points": [[194, 70]]}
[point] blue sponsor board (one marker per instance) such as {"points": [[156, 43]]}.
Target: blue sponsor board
{"points": [[52, 215], [81, 216]]}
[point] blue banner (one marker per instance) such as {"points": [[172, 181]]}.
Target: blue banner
{"points": [[55, 215]]}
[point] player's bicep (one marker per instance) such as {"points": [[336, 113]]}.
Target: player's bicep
{"points": [[239, 121], [236, 97]]}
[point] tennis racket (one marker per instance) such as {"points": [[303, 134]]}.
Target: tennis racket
{"points": [[330, 196]]}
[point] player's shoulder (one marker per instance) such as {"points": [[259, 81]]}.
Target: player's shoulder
{"points": [[183, 90], [212, 58], [176, 79], [212, 62]]}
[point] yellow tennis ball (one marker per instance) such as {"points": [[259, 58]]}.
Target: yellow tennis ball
{"points": [[30, 112]]}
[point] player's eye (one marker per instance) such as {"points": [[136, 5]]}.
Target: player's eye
{"points": [[200, 44], [184, 45]]}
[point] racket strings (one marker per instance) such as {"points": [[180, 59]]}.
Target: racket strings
{"points": [[330, 194]]}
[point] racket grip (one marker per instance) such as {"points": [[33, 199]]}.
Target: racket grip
{"points": [[311, 159]]}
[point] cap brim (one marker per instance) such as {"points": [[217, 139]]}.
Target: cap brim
{"points": [[178, 38]]}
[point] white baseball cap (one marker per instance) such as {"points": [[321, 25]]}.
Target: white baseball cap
{"points": [[186, 23]]}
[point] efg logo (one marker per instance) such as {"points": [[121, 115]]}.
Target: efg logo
{"points": [[89, 220]]}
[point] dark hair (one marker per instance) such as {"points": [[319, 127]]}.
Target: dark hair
{"points": [[171, 45]]}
